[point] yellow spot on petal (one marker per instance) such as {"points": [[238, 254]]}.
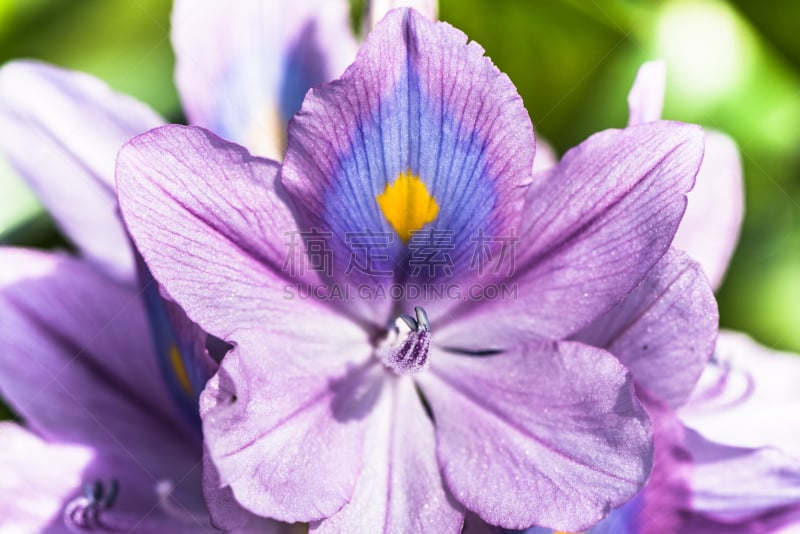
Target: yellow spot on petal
{"points": [[180, 370], [407, 205]]}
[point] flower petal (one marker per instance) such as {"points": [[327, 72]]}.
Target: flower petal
{"points": [[400, 488], [422, 134], [593, 227], [215, 231], [733, 484], [228, 515], [646, 99], [243, 69], [661, 506], [61, 131], [664, 332], [548, 434], [285, 429], [747, 397], [710, 227]]}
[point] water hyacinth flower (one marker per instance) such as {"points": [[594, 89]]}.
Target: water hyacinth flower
{"points": [[720, 464], [106, 446], [710, 481], [104, 373], [362, 414], [61, 130], [742, 436]]}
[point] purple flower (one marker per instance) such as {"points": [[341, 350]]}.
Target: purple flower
{"points": [[105, 375], [351, 413], [79, 366], [742, 435], [242, 69], [725, 483], [721, 465]]}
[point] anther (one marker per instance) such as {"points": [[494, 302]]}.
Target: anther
{"points": [[405, 351], [420, 323], [96, 493]]}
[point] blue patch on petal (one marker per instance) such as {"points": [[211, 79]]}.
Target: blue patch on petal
{"points": [[622, 519], [176, 351], [415, 162], [407, 133], [304, 67]]}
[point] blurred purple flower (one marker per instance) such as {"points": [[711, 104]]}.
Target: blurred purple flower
{"points": [[243, 68], [349, 414], [726, 458], [743, 436], [720, 481], [79, 366], [103, 372]]}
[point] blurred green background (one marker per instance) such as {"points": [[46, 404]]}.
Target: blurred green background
{"points": [[733, 66]]}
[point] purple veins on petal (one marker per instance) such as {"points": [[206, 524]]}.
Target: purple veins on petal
{"points": [[395, 147]]}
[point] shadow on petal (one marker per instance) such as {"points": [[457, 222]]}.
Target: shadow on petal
{"points": [[355, 394]]}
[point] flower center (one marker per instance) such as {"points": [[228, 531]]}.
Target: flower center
{"points": [[405, 348]]}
